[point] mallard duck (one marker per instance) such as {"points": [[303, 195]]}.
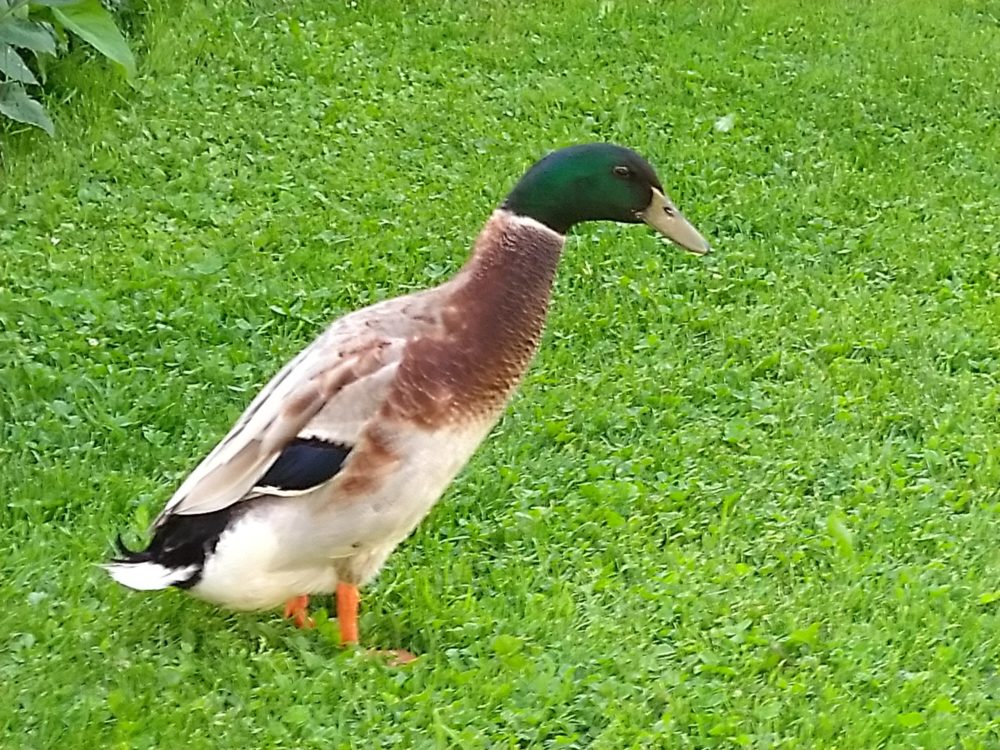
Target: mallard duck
{"points": [[349, 446]]}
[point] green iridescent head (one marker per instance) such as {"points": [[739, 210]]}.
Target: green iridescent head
{"points": [[600, 182]]}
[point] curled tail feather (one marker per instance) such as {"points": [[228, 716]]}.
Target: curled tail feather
{"points": [[175, 555]]}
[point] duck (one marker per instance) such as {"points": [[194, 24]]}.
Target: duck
{"points": [[346, 450]]}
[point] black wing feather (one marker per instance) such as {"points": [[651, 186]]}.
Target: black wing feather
{"points": [[303, 464]]}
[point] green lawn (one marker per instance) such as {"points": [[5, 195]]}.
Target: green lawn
{"points": [[749, 500]]}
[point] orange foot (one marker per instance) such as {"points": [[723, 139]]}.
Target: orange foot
{"points": [[297, 609], [348, 600], [394, 657]]}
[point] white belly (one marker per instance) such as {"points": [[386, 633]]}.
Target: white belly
{"points": [[249, 568], [288, 546]]}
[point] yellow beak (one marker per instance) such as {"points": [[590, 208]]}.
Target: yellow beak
{"points": [[663, 216]]}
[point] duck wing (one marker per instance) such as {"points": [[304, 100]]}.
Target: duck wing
{"points": [[299, 430]]}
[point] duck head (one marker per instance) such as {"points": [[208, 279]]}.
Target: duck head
{"points": [[600, 182]]}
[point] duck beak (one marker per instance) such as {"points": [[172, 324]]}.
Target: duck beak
{"points": [[663, 216]]}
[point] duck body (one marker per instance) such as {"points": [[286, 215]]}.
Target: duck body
{"points": [[348, 448]]}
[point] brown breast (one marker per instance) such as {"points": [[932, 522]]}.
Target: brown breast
{"points": [[490, 326]]}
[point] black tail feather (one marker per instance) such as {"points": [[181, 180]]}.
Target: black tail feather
{"points": [[182, 540], [126, 555]]}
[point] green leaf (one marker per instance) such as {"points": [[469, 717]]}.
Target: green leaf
{"points": [[28, 34], [989, 597], [17, 105], [836, 527], [725, 124], [911, 720], [943, 704], [12, 66], [210, 263], [809, 635], [506, 645], [737, 430], [89, 20], [770, 363]]}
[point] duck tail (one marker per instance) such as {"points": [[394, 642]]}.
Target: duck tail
{"points": [[140, 570], [147, 576]]}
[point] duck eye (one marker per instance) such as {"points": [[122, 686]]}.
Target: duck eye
{"points": [[623, 172]]}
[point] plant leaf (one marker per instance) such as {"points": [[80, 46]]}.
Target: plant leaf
{"points": [[54, 3], [17, 105], [836, 527], [89, 20], [725, 124], [29, 34], [12, 66], [989, 597]]}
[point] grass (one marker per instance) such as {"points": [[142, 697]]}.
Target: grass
{"points": [[743, 501]]}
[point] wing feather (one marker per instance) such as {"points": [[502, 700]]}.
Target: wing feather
{"points": [[325, 392]]}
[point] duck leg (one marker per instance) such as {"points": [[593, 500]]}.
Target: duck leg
{"points": [[348, 599], [297, 609]]}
